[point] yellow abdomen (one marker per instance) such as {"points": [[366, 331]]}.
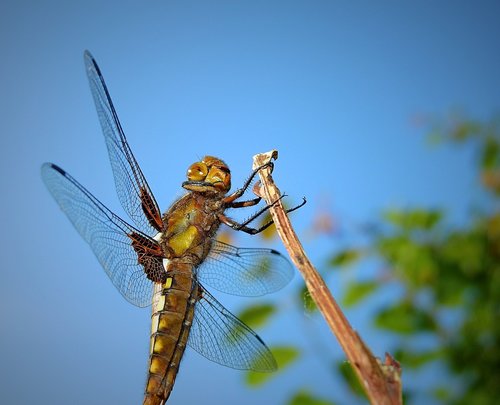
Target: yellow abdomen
{"points": [[173, 310]]}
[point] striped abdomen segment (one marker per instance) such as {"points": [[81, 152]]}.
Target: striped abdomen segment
{"points": [[173, 310]]}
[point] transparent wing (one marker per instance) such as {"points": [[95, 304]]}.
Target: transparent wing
{"points": [[244, 271], [107, 235], [221, 337], [131, 186]]}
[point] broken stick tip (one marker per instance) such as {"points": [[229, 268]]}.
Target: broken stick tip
{"points": [[262, 158]]}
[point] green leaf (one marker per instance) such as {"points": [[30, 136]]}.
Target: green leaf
{"points": [[413, 262], [413, 219], [442, 394], [464, 130], [405, 319], [306, 300], [257, 315], [356, 292], [417, 359], [303, 397], [490, 154], [345, 257], [284, 355], [466, 252], [351, 378]]}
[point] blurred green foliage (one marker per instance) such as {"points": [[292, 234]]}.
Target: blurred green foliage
{"points": [[284, 355], [257, 315], [346, 257], [346, 371], [305, 297], [445, 273], [305, 398], [444, 270], [355, 292]]}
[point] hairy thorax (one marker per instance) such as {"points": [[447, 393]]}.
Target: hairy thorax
{"points": [[189, 225]]}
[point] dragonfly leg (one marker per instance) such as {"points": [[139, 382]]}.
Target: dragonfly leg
{"points": [[304, 201], [252, 231], [239, 227], [259, 213], [247, 203], [239, 192]]}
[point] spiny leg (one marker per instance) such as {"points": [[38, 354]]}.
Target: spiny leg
{"points": [[261, 211], [252, 231], [239, 227], [246, 203]]}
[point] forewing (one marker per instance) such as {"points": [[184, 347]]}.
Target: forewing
{"points": [[244, 271], [131, 186], [106, 234], [221, 337]]}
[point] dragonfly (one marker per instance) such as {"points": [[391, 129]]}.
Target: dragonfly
{"points": [[166, 260]]}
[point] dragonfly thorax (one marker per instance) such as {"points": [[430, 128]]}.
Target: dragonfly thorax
{"points": [[189, 225]]}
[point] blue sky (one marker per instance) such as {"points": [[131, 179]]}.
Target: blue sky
{"points": [[334, 86]]}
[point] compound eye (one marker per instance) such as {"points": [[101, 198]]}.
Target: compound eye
{"points": [[197, 171]]}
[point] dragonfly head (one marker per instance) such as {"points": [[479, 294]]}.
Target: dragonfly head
{"points": [[210, 175]]}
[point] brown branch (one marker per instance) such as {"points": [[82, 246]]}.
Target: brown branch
{"points": [[382, 382]]}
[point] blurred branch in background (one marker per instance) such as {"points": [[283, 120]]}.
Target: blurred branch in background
{"points": [[448, 278]]}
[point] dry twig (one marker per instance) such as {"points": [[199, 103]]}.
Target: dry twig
{"points": [[382, 382]]}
